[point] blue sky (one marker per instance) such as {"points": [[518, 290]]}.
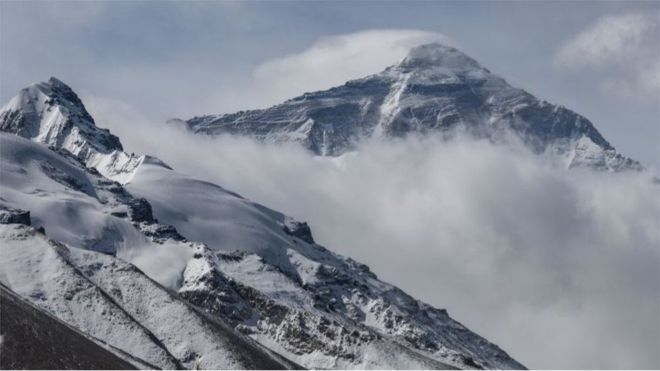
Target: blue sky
{"points": [[175, 59]]}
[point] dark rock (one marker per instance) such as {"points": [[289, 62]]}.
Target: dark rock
{"points": [[469, 361], [14, 216], [140, 210], [163, 232], [298, 229]]}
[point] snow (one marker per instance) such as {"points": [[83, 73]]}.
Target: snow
{"points": [[207, 213], [303, 131], [79, 211], [38, 270], [113, 301], [252, 272], [307, 269], [39, 180], [391, 105]]}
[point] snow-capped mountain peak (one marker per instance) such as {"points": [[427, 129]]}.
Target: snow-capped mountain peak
{"points": [[52, 113], [434, 89], [436, 55]]}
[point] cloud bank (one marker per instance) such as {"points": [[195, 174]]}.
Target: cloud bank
{"points": [[560, 268], [626, 44]]}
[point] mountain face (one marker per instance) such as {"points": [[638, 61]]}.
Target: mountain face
{"points": [[175, 272], [60, 346], [435, 88]]}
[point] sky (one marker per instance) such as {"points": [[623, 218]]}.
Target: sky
{"points": [[565, 266]]}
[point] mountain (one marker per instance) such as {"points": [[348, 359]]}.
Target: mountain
{"points": [[59, 346], [179, 272], [435, 88]]}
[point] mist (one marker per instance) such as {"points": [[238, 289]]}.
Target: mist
{"points": [[559, 268]]}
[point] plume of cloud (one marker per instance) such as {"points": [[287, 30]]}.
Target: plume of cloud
{"points": [[609, 38], [560, 268], [627, 45], [333, 60]]}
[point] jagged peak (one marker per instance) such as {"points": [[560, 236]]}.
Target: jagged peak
{"points": [[49, 111], [53, 85], [65, 94], [55, 81], [438, 55], [56, 91], [52, 113]]}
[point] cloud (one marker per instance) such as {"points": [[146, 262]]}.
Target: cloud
{"points": [[610, 37], [161, 262], [560, 268], [330, 61], [642, 82], [333, 60], [625, 44]]}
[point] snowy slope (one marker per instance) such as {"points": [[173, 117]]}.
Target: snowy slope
{"points": [[250, 267], [115, 302], [435, 88], [59, 346], [99, 294], [81, 208]]}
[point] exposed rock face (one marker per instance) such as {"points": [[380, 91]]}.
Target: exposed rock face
{"points": [[140, 210], [436, 88], [298, 229], [161, 232], [14, 216]]}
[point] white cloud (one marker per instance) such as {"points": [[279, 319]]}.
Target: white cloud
{"points": [[625, 47], [610, 37], [336, 59], [559, 268], [642, 81]]}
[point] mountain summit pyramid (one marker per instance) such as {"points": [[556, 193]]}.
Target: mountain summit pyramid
{"points": [[435, 88]]}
